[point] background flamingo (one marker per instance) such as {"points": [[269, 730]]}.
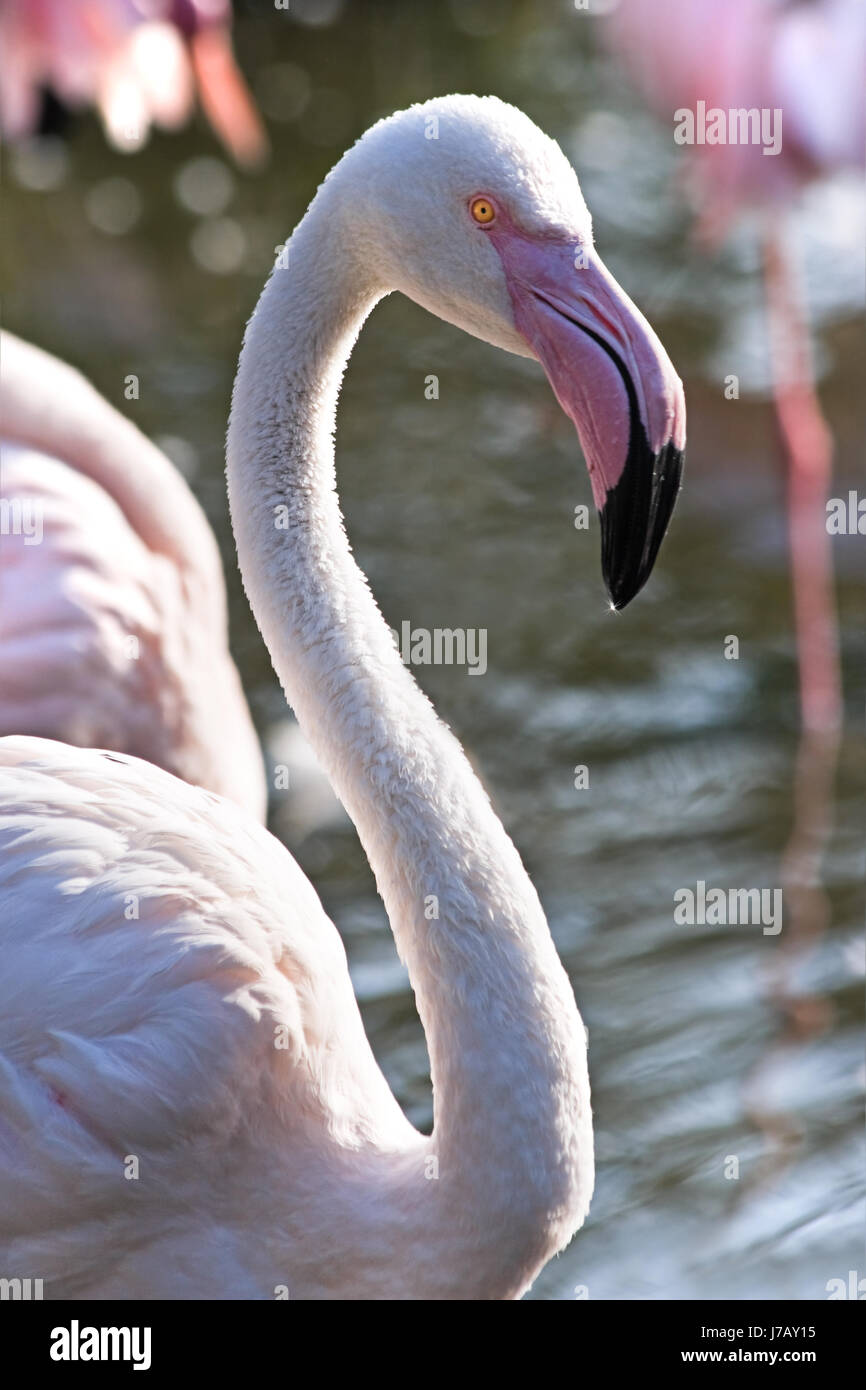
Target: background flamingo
{"points": [[113, 628], [140, 62], [198, 1013], [807, 61]]}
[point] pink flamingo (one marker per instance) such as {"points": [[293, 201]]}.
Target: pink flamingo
{"points": [[139, 64], [113, 630], [172, 987], [805, 62]]}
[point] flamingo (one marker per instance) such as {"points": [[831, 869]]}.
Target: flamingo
{"points": [[190, 1106], [806, 62], [113, 626], [138, 63]]}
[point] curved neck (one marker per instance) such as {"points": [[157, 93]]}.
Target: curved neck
{"points": [[511, 1105]]}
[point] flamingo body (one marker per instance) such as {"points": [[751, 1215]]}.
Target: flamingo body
{"points": [[113, 620], [230, 1061]]}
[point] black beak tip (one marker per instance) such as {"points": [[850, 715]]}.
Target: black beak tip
{"points": [[619, 599], [635, 517]]}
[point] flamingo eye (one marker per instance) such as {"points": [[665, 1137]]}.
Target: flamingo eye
{"points": [[482, 210]]}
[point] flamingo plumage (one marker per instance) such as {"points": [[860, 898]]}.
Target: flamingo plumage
{"points": [[197, 1024], [113, 624]]}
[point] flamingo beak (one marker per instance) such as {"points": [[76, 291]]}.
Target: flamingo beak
{"points": [[615, 381]]}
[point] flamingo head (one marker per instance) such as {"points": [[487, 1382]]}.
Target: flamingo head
{"points": [[463, 204]]}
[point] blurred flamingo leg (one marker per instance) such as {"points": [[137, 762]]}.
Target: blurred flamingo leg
{"points": [[807, 445], [225, 98]]}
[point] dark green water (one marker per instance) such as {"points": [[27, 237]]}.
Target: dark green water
{"points": [[460, 510]]}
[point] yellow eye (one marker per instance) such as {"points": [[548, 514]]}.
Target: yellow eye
{"points": [[482, 210]]}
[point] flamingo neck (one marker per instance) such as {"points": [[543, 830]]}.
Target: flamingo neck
{"points": [[512, 1141]]}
